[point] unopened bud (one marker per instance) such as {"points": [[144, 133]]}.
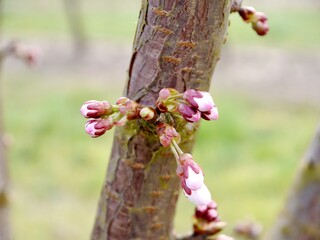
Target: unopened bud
{"points": [[95, 109], [130, 109], [167, 134], [247, 13], [188, 113], [97, 127], [261, 27], [29, 54], [147, 113]]}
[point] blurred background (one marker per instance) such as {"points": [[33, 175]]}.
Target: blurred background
{"points": [[267, 90]]}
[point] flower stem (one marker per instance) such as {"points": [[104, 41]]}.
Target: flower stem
{"points": [[178, 149], [176, 155]]}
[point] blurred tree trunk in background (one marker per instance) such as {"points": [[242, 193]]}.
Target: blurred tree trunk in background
{"points": [[4, 205], [77, 29], [300, 217], [177, 44]]}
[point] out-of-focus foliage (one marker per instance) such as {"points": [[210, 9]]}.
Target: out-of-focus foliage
{"points": [[249, 155]]}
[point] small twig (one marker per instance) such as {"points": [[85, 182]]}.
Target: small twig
{"points": [[235, 5]]}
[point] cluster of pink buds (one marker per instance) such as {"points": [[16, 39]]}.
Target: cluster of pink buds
{"points": [[27, 53], [105, 115], [207, 221], [258, 20], [192, 105], [188, 171]]}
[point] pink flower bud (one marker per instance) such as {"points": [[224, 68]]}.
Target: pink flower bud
{"points": [[194, 180], [166, 134], [121, 122], [261, 27], [147, 113], [122, 100], [247, 13], [188, 113], [199, 197], [200, 100], [95, 109], [164, 94], [130, 109], [205, 103], [97, 127], [224, 237], [29, 54], [211, 115]]}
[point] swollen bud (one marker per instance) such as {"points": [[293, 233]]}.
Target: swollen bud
{"points": [[97, 127], [95, 109], [147, 113]]}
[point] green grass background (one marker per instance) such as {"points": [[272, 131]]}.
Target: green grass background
{"points": [[249, 156]]}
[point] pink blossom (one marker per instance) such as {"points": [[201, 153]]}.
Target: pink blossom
{"points": [[95, 109], [147, 113], [28, 53], [261, 26], [194, 181], [166, 134], [211, 115], [199, 197], [205, 103], [97, 127], [188, 113], [199, 100], [207, 212], [224, 237]]}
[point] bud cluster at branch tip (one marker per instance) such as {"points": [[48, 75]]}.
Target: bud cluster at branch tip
{"points": [[171, 105], [192, 105], [258, 20], [103, 115]]}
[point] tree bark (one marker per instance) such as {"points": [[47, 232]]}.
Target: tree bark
{"points": [[177, 44], [300, 217]]}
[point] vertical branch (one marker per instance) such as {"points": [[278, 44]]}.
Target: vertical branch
{"points": [[300, 217], [73, 13], [177, 44]]}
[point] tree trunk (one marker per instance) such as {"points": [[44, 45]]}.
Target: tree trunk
{"points": [[177, 44], [300, 217], [73, 13]]}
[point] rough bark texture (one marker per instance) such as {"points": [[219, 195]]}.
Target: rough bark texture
{"points": [[300, 218], [177, 44]]}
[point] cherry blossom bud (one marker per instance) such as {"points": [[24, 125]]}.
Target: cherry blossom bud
{"points": [[130, 109], [121, 122], [188, 113], [211, 115], [247, 13], [97, 127], [95, 109], [122, 100], [147, 113], [164, 94], [167, 133], [29, 54], [261, 27], [167, 100], [199, 197], [194, 180], [224, 237], [200, 100]]}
